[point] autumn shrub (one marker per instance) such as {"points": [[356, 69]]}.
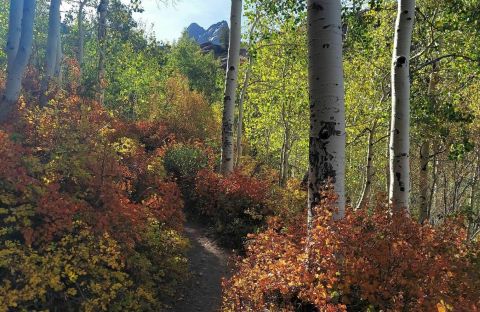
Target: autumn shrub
{"points": [[235, 204], [369, 261], [185, 161], [81, 193], [187, 113], [78, 272], [288, 202], [150, 134], [158, 265]]}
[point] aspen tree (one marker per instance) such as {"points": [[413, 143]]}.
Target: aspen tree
{"points": [[231, 82], [400, 121], [102, 38], [19, 48], [52, 49], [327, 103]]}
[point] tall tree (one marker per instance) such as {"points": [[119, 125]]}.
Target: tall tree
{"points": [[424, 188], [327, 103], [59, 60], [202, 69], [15, 30], [53, 41], [81, 34], [19, 48], [231, 82], [369, 172], [400, 125], [243, 93], [277, 103], [102, 40]]}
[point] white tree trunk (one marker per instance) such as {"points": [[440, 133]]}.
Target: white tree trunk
{"points": [[52, 49], [471, 229], [327, 103], [285, 157], [362, 202], [59, 61], [243, 94], [241, 102], [425, 158], [423, 181], [14, 30], [231, 82], [19, 63], [400, 126], [81, 36], [102, 37]]}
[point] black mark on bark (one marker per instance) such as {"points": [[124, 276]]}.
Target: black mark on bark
{"points": [[317, 7], [400, 61]]}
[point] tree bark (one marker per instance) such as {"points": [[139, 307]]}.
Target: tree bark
{"points": [[362, 202], [59, 61], [231, 81], [285, 159], [241, 101], [434, 188], [471, 229], [81, 36], [18, 61], [52, 49], [243, 93], [102, 38], [14, 31], [327, 104], [425, 158], [400, 141], [423, 181]]}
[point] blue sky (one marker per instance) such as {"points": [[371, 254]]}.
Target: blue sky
{"points": [[169, 21]]}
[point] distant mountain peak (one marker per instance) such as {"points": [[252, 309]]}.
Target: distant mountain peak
{"points": [[214, 34], [194, 29]]}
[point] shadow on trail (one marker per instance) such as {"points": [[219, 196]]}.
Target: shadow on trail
{"points": [[208, 264]]}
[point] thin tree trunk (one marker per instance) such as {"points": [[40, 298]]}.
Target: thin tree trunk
{"points": [[241, 101], [473, 194], [433, 192], [387, 166], [243, 93], [102, 42], [19, 61], [423, 180], [425, 158], [285, 167], [400, 128], [327, 104], [14, 31], [231, 81], [52, 49], [81, 36], [59, 61], [368, 170]]}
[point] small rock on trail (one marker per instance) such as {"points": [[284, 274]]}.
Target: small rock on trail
{"points": [[208, 264]]}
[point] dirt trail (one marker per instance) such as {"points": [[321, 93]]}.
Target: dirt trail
{"points": [[208, 264]]}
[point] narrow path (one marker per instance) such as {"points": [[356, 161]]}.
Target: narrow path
{"points": [[208, 264]]}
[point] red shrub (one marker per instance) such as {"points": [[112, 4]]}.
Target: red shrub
{"points": [[369, 260], [166, 204], [152, 134], [235, 204], [68, 165], [56, 212], [213, 190]]}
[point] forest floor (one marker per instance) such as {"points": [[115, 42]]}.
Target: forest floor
{"points": [[208, 265]]}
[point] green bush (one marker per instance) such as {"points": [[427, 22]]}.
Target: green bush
{"points": [[184, 161]]}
